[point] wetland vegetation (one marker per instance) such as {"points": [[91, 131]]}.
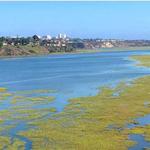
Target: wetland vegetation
{"points": [[23, 109], [142, 60], [94, 122]]}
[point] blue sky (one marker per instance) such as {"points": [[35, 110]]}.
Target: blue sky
{"points": [[123, 20]]}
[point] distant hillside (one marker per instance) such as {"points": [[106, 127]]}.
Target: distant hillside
{"points": [[100, 43], [74, 45], [23, 50]]}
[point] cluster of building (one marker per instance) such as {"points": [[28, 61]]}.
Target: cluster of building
{"points": [[63, 43], [59, 41]]}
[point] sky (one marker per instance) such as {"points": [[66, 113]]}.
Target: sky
{"points": [[117, 20]]}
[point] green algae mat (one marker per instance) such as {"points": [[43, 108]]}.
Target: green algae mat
{"points": [[97, 122]]}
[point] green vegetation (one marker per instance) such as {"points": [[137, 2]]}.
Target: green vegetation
{"points": [[143, 60], [17, 144], [23, 107], [1, 44], [53, 109], [126, 48], [4, 94], [114, 49], [95, 122], [34, 49], [2, 89], [4, 141], [142, 130], [30, 50], [36, 91], [23, 50]]}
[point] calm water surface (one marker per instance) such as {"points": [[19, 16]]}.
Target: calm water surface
{"points": [[71, 75]]}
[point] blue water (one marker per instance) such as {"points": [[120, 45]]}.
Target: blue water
{"points": [[141, 121], [71, 75], [13, 133], [141, 144]]}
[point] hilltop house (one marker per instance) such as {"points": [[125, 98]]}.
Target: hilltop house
{"points": [[36, 37]]}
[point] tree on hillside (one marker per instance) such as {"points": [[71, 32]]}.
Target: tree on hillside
{"points": [[1, 44]]}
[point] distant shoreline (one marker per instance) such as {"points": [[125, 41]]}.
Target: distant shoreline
{"points": [[114, 49], [80, 51]]}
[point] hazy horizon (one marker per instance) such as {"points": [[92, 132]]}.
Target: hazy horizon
{"points": [[106, 20]]}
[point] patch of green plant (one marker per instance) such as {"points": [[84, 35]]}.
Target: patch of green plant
{"points": [[4, 141], [23, 108], [143, 60], [84, 124], [53, 109], [144, 130], [38, 91], [2, 89]]}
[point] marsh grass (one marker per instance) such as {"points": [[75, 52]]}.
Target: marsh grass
{"points": [[22, 108], [144, 130], [97, 122], [142, 60], [2, 89], [84, 124]]}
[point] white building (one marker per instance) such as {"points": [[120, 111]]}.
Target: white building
{"points": [[47, 37], [107, 45], [5, 44], [39, 36], [62, 36]]}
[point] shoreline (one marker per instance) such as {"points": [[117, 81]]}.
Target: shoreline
{"points": [[82, 51]]}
